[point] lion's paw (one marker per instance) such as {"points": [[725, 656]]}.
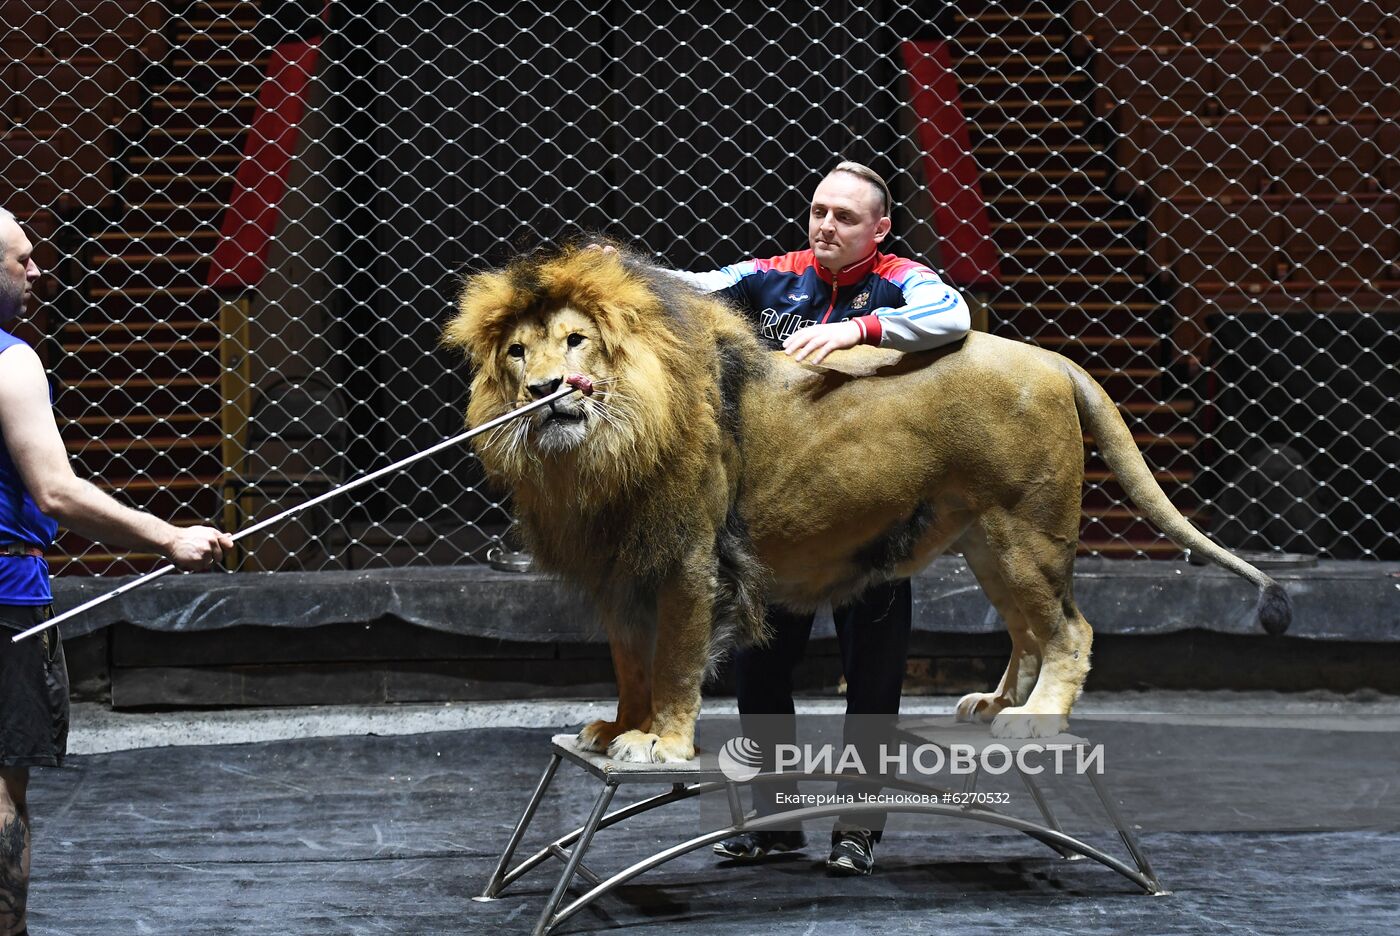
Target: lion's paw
{"points": [[597, 735], [1017, 722], [672, 749], [979, 707], [640, 747]]}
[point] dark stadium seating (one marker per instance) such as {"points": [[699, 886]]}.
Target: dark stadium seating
{"points": [[1234, 161], [64, 112], [1258, 84], [1267, 133], [1317, 23], [1357, 81], [1227, 162], [71, 77], [1168, 63], [1165, 85], [67, 29], [1109, 23], [1252, 24], [1341, 242], [1324, 161], [1389, 168], [1168, 84], [44, 84], [1214, 248]]}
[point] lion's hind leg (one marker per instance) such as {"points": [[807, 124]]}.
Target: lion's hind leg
{"points": [[1023, 667], [1036, 568], [631, 653]]}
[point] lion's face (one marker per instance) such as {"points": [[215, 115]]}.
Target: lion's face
{"points": [[534, 358], [641, 339]]}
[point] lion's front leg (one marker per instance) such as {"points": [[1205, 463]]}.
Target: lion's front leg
{"points": [[631, 656], [679, 660]]}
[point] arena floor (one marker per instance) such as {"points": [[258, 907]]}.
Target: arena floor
{"points": [[389, 820]]}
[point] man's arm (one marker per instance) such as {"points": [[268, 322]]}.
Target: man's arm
{"points": [[31, 436], [725, 278], [933, 314]]}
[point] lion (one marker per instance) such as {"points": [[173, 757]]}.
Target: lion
{"points": [[704, 476]]}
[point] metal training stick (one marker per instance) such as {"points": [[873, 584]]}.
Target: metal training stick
{"points": [[572, 384]]}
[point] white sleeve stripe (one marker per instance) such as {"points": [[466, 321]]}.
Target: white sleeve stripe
{"points": [[950, 303]]}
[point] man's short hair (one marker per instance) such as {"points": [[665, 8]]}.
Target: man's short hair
{"points": [[862, 171], [8, 215]]}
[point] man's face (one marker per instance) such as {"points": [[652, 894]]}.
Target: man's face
{"points": [[846, 222], [17, 270]]}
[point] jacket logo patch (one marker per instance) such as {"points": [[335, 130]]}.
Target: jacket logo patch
{"points": [[776, 326], [797, 297], [860, 302]]}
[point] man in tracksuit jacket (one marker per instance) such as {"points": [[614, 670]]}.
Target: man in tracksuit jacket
{"points": [[840, 293]]}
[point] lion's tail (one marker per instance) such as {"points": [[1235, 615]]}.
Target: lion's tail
{"points": [[1100, 416]]}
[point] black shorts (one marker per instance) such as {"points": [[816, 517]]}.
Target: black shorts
{"points": [[33, 691]]}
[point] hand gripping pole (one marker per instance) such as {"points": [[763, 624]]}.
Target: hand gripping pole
{"points": [[574, 383]]}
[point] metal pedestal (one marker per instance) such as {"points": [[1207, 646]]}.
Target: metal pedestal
{"points": [[699, 777]]}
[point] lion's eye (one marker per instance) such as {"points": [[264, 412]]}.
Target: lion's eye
{"points": [[516, 350], [575, 340]]}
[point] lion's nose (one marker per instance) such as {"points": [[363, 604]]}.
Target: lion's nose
{"points": [[544, 388]]}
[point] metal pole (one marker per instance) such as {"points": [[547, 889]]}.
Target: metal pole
{"points": [[547, 919], [1050, 819], [557, 395], [1126, 834], [493, 886]]}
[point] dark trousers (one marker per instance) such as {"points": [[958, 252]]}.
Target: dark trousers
{"points": [[873, 633]]}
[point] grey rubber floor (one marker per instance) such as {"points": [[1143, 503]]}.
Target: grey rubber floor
{"points": [[370, 834]]}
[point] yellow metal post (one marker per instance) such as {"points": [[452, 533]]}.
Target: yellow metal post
{"points": [[237, 392]]}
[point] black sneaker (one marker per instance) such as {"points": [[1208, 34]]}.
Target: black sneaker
{"points": [[751, 846], [852, 852]]}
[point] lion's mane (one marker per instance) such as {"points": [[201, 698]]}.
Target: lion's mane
{"points": [[620, 513]]}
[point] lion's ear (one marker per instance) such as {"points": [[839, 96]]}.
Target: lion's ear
{"points": [[459, 334], [485, 307]]}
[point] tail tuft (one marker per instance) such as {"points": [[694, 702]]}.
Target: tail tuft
{"points": [[1275, 609]]}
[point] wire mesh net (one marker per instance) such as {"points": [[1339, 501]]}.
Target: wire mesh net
{"points": [[255, 217]]}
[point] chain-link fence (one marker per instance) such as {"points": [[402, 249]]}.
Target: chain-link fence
{"points": [[255, 217]]}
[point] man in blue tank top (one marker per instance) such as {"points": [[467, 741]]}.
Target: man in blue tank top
{"points": [[38, 491]]}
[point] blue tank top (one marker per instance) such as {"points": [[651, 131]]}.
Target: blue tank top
{"points": [[24, 580]]}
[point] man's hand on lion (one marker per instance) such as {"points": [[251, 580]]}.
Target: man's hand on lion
{"points": [[817, 341]]}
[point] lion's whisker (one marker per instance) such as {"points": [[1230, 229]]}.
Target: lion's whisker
{"points": [[494, 436], [616, 419]]}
